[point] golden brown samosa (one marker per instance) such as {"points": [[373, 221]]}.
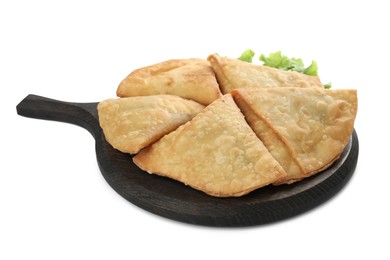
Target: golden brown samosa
{"points": [[130, 124], [188, 78], [216, 152], [234, 73], [305, 129]]}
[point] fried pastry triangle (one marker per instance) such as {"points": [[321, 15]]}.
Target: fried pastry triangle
{"points": [[305, 129], [234, 73], [271, 140], [130, 124], [216, 152], [188, 78]]}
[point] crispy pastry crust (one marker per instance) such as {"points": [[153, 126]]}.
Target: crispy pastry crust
{"points": [[233, 73], [216, 152], [311, 126], [188, 78], [275, 145], [130, 124]]}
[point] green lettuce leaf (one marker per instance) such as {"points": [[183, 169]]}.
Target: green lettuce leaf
{"points": [[328, 85], [312, 69], [280, 61], [247, 55]]}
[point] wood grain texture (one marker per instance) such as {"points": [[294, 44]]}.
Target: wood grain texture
{"points": [[174, 200]]}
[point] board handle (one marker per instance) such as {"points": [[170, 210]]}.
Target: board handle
{"points": [[81, 114]]}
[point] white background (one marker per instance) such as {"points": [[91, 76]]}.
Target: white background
{"points": [[55, 204]]}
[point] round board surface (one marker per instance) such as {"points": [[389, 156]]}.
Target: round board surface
{"points": [[174, 200]]}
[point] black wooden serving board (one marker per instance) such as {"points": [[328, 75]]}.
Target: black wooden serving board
{"points": [[174, 200]]}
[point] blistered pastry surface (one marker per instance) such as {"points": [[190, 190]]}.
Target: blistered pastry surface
{"points": [[315, 123], [233, 73], [216, 152], [275, 145], [188, 78], [130, 124]]}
